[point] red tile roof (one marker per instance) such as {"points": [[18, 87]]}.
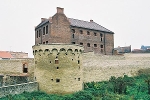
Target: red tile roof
{"points": [[5, 54]]}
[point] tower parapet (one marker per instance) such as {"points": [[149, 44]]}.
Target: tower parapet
{"points": [[58, 67]]}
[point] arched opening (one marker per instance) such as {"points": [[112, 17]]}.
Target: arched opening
{"points": [[25, 68]]}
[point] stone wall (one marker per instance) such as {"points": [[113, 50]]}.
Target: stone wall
{"points": [[58, 68], [100, 68], [18, 88], [14, 67]]}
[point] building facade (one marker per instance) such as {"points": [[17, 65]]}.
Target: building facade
{"points": [[61, 29]]}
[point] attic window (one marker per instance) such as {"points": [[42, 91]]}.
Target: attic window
{"points": [[101, 34], [73, 30], [81, 32], [88, 33]]}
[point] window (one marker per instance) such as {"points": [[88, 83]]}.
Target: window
{"points": [[46, 42], [57, 67], [95, 34], [88, 33], [43, 42], [47, 29], [101, 46], [56, 61], [73, 30], [43, 30], [78, 79], [88, 44], [37, 32], [81, 43], [57, 80], [73, 42], [81, 32], [101, 39], [101, 34], [95, 45], [78, 61], [72, 35], [40, 33], [25, 68]]}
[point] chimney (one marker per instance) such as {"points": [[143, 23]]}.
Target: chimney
{"points": [[43, 19], [60, 10], [91, 20]]}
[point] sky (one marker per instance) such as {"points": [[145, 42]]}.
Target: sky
{"points": [[128, 19]]}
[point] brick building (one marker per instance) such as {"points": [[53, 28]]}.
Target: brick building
{"points": [[61, 29]]}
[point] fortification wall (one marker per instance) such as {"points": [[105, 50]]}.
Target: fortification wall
{"points": [[102, 67], [57, 69], [18, 88], [15, 67]]}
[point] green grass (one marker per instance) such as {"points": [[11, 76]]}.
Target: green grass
{"points": [[121, 88]]}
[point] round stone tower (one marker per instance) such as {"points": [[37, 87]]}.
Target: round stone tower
{"points": [[58, 68]]}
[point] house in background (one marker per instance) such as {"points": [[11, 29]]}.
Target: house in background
{"points": [[125, 49], [5, 55], [12, 55]]}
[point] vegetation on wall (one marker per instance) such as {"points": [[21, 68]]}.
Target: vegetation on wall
{"points": [[121, 88]]}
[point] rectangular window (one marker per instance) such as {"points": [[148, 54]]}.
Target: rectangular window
{"points": [[101, 46], [43, 30], [88, 33], [40, 33], [47, 29], [25, 68], [81, 32], [46, 42], [37, 33], [81, 43], [95, 34], [88, 44], [95, 45], [56, 61], [78, 79], [57, 80], [73, 42], [78, 61], [101, 39]]}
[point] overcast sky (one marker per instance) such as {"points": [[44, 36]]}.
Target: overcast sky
{"points": [[128, 19]]}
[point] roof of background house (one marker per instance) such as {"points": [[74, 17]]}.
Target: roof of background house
{"points": [[5, 54], [83, 24]]}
